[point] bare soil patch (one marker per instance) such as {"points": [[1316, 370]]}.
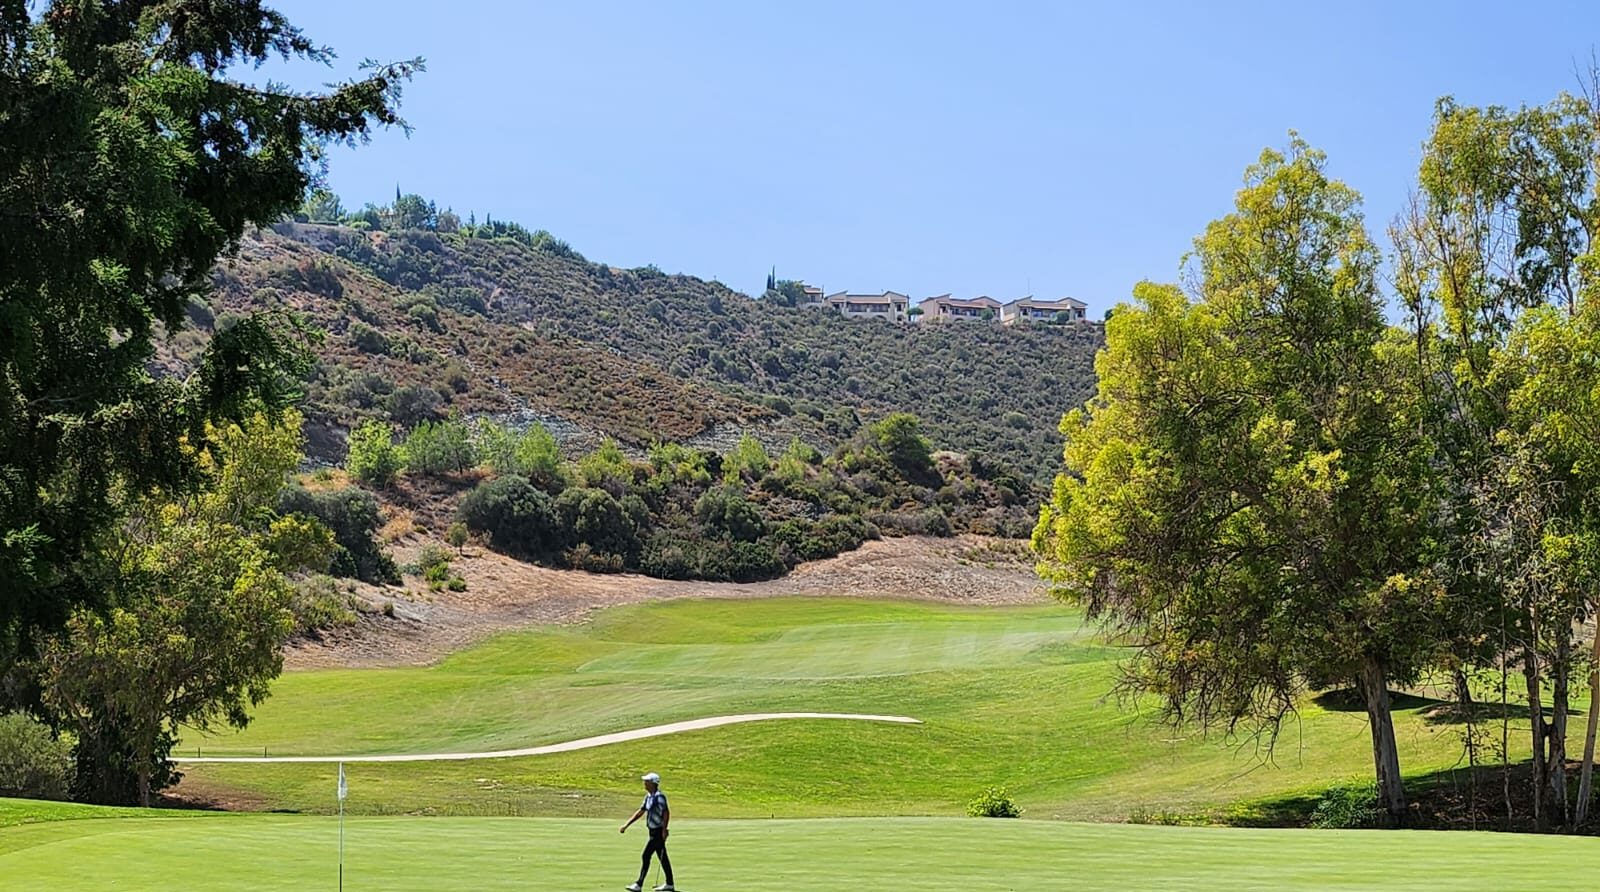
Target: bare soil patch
{"points": [[504, 594]]}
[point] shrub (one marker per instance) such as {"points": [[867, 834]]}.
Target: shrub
{"points": [[300, 543], [993, 802], [368, 339], [517, 516], [456, 536], [725, 511], [34, 764], [1346, 807], [353, 516], [373, 458], [440, 448], [433, 565], [318, 604], [412, 405], [595, 518]]}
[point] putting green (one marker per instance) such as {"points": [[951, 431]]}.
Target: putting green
{"points": [[1013, 696], [257, 853]]}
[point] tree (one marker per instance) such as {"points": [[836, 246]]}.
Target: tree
{"points": [[322, 206], [1494, 265], [899, 437], [414, 212], [456, 537], [373, 459], [195, 641], [516, 516], [200, 610], [746, 461], [439, 448], [1247, 498], [132, 163]]}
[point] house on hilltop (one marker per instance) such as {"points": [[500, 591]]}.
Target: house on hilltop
{"points": [[1027, 309], [946, 307], [890, 305], [811, 296]]}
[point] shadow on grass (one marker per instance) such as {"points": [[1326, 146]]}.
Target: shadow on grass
{"points": [[1452, 799], [1434, 711]]}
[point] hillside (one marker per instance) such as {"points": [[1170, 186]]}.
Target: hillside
{"points": [[420, 324]]}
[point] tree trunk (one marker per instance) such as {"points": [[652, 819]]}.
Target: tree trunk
{"points": [[1385, 755], [1556, 740], [1530, 674], [1586, 773]]}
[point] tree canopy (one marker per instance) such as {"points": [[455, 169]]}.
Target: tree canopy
{"points": [[130, 160]]}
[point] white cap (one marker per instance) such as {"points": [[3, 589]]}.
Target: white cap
{"points": [[651, 778]]}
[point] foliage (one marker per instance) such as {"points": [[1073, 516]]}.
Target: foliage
{"points": [[318, 604], [1347, 807], [1249, 496], [352, 514], [300, 543], [433, 565], [132, 163], [456, 536], [194, 641], [725, 511], [993, 802], [746, 462], [593, 517], [373, 458], [444, 447], [34, 763], [516, 516]]}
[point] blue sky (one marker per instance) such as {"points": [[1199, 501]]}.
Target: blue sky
{"points": [[1000, 148]]}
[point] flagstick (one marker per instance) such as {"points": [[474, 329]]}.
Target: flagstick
{"points": [[341, 826]]}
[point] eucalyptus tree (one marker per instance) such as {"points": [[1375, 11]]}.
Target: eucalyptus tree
{"points": [[1494, 264]]}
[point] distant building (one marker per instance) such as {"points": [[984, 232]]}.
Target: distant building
{"points": [[890, 305], [812, 297], [945, 307], [1027, 309]]}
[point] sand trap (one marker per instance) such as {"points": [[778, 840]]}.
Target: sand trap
{"points": [[569, 746]]}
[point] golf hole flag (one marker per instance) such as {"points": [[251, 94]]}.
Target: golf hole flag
{"points": [[344, 788]]}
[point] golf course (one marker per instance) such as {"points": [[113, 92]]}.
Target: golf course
{"points": [[258, 853], [1015, 696]]}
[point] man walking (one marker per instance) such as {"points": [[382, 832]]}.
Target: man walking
{"points": [[656, 816]]}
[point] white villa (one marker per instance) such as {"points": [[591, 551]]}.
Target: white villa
{"points": [[945, 307], [1027, 309], [890, 305]]}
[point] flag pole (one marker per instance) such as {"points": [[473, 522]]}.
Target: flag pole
{"points": [[342, 790]]}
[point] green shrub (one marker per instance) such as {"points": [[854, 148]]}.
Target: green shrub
{"points": [[993, 802], [517, 517], [319, 604], [726, 512], [368, 339], [353, 516], [34, 764], [595, 518], [1347, 807], [373, 458], [456, 536], [444, 447]]}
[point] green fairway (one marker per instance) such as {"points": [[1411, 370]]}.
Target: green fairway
{"points": [[254, 853], [1012, 696]]}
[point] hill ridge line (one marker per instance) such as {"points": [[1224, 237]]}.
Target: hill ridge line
{"points": [[567, 746]]}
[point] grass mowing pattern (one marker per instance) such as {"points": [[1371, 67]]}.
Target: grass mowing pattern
{"points": [[1010, 696], [261, 853]]}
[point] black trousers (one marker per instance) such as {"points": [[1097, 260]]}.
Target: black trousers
{"points": [[656, 846]]}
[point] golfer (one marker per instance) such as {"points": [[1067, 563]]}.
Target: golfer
{"points": [[656, 817]]}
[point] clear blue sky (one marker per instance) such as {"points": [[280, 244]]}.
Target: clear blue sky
{"points": [[973, 148]]}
